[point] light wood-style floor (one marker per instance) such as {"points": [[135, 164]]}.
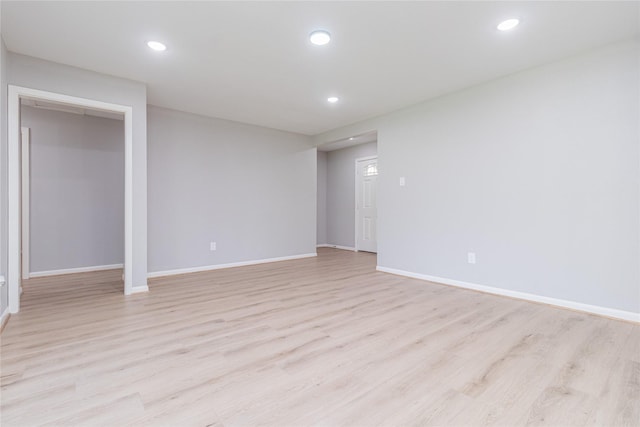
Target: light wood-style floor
{"points": [[321, 341]]}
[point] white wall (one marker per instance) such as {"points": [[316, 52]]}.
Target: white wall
{"points": [[49, 76], [77, 190], [537, 173], [321, 226], [250, 189], [341, 193]]}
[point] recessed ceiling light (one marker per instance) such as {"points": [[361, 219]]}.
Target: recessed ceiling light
{"points": [[351, 139], [509, 24], [320, 37], [157, 46], [332, 99]]}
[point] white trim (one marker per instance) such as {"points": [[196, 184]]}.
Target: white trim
{"points": [[13, 175], [139, 289], [25, 139], [4, 318], [344, 248], [230, 265], [593, 309], [128, 201], [13, 197], [76, 270], [357, 217]]}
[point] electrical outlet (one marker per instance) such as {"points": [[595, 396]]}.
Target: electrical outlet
{"points": [[471, 257], [402, 181], [212, 246]]}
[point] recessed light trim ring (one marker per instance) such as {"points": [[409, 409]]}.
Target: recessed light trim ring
{"points": [[320, 37], [156, 45], [508, 24]]}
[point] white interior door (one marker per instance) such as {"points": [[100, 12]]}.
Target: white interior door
{"points": [[366, 204]]}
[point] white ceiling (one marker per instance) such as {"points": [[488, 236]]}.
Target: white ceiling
{"points": [[350, 142], [252, 61]]}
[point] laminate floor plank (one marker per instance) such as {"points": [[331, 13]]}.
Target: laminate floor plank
{"points": [[324, 341]]}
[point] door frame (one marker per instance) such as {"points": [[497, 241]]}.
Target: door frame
{"points": [[357, 219], [15, 93], [25, 140]]}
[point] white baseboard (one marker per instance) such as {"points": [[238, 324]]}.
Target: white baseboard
{"points": [[75, 270], [344, 248], [139, 289], [587, 308], [4, 318], [221, 266]]}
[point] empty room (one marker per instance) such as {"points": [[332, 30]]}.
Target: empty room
{"points": [[307, 213]]}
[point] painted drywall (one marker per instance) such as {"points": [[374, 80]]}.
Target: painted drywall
{"points": [[537, 173], [321, 226], [76, 190], [49, 76], [252, 190], [341, 192], [4, 300]]}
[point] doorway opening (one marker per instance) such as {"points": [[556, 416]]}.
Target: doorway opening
{"points": [[18, 96], [339, 198], [72, 189]]}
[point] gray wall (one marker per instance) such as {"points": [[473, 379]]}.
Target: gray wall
{"points": [[250, 189], [321, 215], [77, 190], [49, 76], [537, 172], [341, 193], [3, 173]]}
